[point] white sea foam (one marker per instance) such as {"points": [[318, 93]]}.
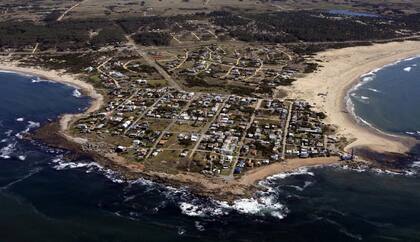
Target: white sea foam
{"points": [[202, 210], [357, 86], [368, 78], [10, 72], [61, 164], [410, 172], [199, 226], [39, 79], [76, 93], [378, 171], [361, 99], [408, 69], [266, 205], [7, 151], [359, 169], [365, 78], [31, 125], [300, 171], [374, 90], [143, 182], [300, 188], [181, 231], [71, 165], [387, 172], [350, 106], [8, 133], [20, 119], [22, 157], [416, 164]]}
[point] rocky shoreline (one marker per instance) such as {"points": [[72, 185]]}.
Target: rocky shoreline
{"points": [[51, 135]]}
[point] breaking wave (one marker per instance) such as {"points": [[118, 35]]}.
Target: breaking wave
{"points": [[59, 163], [31, 125], [412, 170], [364, 79], [374, 90], [300, 171], [8, 133], [39, 79], [407, 69], [7, 151], [76, 93], [265, 203]]}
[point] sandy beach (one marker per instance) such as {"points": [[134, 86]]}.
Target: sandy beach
{"points": [[255, 175], [340, 70]]}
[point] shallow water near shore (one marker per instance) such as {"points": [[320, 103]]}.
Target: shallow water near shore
{"points": [[388, 98], [43, 198]]}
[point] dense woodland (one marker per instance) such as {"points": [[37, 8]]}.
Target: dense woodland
{"points": [[153, 23], [60, 35], [283, 27], [153, 38], [279, 27]]}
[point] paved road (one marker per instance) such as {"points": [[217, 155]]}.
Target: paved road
{"points": [[286, 131], [144, 113], [153, 63], [241, 142], [206, 128], [168, 128], [68, 11]]}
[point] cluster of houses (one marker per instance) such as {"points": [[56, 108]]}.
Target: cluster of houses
{"points": [[258, 67], [307, 135], [202, 109], [233, 132], [218, 133]]}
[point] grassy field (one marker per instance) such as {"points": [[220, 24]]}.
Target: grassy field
{"points": [[41, 9]]}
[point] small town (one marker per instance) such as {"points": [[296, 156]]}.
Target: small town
{"points": [[204, 103], [209, 120], [167, 129]]}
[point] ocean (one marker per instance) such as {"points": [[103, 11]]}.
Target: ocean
{"points": [[44, 198], [388, 98]]}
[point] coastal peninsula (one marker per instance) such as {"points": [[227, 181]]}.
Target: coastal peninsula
{"points": [[209, 120], [339, 71], [216, 107]]}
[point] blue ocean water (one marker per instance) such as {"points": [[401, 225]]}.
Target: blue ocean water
{"points": [[389, 98], [44, 198]]}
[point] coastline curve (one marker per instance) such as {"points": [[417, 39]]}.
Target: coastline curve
{"points": [[341, 70]]}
